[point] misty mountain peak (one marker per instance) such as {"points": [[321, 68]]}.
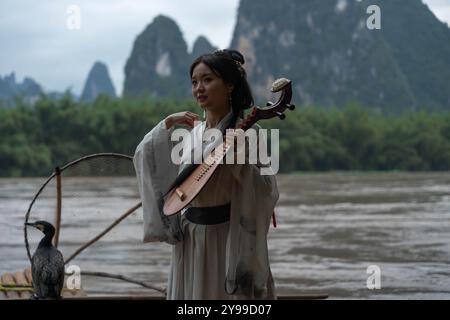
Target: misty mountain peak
{"points": [[159, 61], [98, 82], [202, 46]]}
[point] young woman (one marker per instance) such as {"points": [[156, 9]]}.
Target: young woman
{"points": [[220, 241]]}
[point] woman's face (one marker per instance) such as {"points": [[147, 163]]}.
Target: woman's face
{"points": [[210, 91]]}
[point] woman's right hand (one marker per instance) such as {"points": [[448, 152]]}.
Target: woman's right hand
{"points": [[186, 118]]}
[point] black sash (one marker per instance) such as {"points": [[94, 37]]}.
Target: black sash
{"points": [[209, 215]]}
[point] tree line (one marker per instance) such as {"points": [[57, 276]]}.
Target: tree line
{"points": [[35, 138]]}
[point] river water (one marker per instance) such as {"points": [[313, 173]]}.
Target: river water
{"points": [[331, 229]]}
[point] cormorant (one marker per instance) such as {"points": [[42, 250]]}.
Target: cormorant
{"points": [[47, 265]]}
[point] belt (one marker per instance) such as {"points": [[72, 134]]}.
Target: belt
{"points": [[208, 215]]}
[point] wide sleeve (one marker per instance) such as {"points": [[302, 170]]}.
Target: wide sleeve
{"points": [[253, 200], [155, 172]]}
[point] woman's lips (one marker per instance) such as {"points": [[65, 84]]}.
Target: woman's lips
{"points": [[201, 98]]}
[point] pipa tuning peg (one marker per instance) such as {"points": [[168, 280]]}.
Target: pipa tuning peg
{"points": [[280, 115]]}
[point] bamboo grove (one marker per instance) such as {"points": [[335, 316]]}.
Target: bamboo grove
{"points": [[35, 138]]}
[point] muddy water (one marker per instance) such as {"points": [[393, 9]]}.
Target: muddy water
{"points": [[331, 228]]}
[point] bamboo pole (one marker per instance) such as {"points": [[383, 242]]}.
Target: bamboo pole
{"points": [[123, 278], [58, 206], [100, 235]]}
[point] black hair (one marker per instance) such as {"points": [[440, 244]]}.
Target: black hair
{"points": [[227, 64]]}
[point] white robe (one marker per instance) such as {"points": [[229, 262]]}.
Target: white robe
{"points": [[223, 261]]}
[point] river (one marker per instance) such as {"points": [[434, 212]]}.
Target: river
{"points": [[331, 228]]}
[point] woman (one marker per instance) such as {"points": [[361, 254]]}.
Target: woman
{"points": [[220, 241]]}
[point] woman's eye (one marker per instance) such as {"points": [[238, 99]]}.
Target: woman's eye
{"points": [[194, 83]]}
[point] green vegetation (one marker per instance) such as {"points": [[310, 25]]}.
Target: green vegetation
{"points": [[35, 139]]}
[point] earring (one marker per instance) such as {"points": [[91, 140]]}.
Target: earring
{"points": [[230, 101], [204, 114]]}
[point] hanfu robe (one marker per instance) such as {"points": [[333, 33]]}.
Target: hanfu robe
{"points": [[222, 261]]}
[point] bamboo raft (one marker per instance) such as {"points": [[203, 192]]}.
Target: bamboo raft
{"points": [[17, 286]]}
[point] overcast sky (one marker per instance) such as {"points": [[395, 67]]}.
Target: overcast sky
{"points": [[36, 42]]}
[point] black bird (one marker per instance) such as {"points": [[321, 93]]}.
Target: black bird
{"points": [[47, 265]]}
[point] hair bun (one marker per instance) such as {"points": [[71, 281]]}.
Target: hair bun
{"points": [[233, 54]]}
